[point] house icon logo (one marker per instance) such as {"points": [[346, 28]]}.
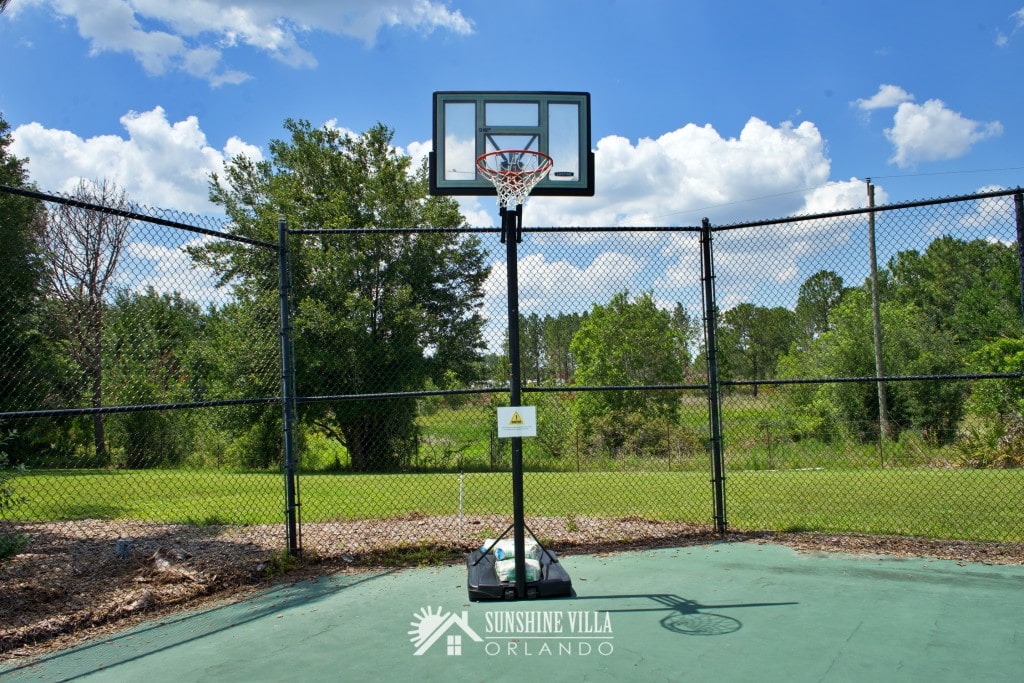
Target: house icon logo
{"points": [[431, 626]]}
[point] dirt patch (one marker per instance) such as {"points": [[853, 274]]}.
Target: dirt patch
{"points": [[79, 580]]}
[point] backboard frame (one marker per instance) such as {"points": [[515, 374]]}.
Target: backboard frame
{"points": [[467, 124]]}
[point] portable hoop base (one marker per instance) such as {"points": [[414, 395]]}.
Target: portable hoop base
{"points": [[483, 581]]}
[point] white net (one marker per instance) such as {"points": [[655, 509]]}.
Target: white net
{"points": [[514, 173]]}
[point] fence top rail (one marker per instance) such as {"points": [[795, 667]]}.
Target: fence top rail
{"points": [[132, 215], [42, 196], [867, 209], [666, 228]]}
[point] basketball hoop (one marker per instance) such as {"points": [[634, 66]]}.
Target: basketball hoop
{"points": [[514, 173]]}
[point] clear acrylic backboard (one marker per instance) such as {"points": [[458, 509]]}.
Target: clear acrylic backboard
{"points": [[470, 124]]}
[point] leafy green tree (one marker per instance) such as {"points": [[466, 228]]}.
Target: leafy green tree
{"points": [[532, 360], [969, 288], [375, 312], [238, 356], [912, 346], [21, 221], [818, 295], [558, 333], [544, 353], [687, 333], [626, 342], [150, 344], [753, 338], [999, 398]]}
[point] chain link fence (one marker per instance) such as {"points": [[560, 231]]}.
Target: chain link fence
{"points": [[926, 296], [137, 394], [142, 381]]}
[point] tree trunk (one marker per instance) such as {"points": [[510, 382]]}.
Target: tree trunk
{"points": [[98, 430]]}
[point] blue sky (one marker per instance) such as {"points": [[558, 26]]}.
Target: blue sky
{"points": [[744, 110]]}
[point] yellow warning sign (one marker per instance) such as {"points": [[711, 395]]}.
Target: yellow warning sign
{"points": [[516, 421]]}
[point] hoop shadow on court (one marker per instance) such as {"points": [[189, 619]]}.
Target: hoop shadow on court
{"points": [[687, 617]]}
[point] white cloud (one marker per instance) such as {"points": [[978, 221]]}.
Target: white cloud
{"points": [[167, 269], [659, 181], [932, 132], [160, 164], [993, 214], [1002, 40], [671, 180], [839, 196], [929, 131], [192, 36], [886, 97]]}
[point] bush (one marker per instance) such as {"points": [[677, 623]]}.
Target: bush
{"points": [[993, 445], [626, 434]]}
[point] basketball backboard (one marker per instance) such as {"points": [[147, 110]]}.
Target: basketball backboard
{"points": [[469, 124]]}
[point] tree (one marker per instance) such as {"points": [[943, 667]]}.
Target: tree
{"points": [[687, 332], [238, 357], [1005, 397], [82, 247], [150, 358], [558, 333], [819, 294], [21, 220], [376, 312], [753, 338], [531, 348], [912, 346], [627, 343], [544, 347], [971, 289]]}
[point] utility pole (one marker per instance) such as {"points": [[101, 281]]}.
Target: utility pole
{"points": [[884, 425]]}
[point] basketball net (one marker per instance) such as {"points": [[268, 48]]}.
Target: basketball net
{"points": [[514, 173]]}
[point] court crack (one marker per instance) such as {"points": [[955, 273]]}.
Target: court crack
{"points": [[841, 651]]}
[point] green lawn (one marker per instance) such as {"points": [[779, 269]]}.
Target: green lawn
{"points": [[962, 504]]}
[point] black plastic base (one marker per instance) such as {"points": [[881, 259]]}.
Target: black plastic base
{"points": [[484, 585]]}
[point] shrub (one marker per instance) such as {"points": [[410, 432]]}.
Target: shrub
{"points": [[992, 445]]}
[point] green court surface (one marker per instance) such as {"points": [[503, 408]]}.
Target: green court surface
{"points": [[720, 612]]}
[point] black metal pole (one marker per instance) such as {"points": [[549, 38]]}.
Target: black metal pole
{"points": [[511, 222], [287, 389], [1018, 208], [714, 398]]}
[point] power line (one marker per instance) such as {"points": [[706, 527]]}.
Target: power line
{"points": [[918, 175]]}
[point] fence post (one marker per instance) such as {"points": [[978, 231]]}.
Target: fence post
{"points": [[287, 389], [1018, 208], [885, 430], [711, 352]]}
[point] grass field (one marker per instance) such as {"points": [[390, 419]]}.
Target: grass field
{"points": [[958, 504]]}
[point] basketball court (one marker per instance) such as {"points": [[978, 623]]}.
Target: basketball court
{"points": [[725, 612], [740, 611]]}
